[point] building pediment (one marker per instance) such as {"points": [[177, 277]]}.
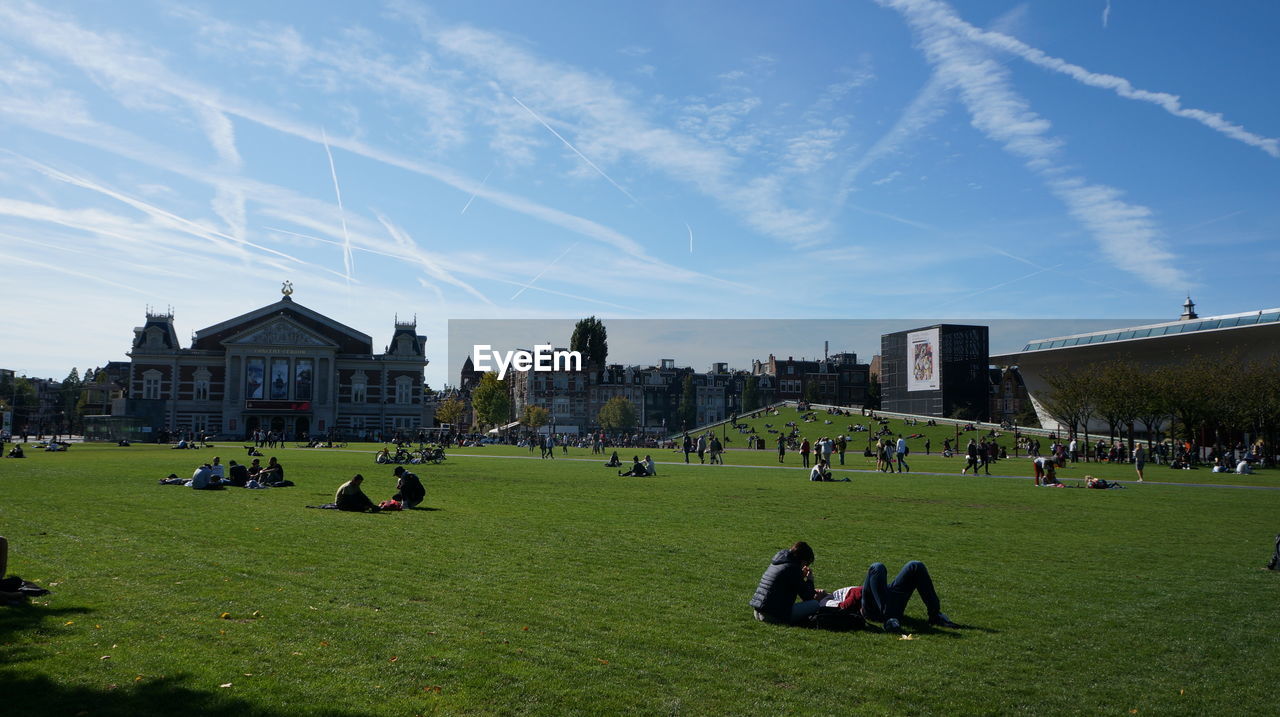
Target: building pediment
{"points": [[278, 332]]}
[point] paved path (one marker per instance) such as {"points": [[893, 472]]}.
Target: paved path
{"points": [[834, 469]]}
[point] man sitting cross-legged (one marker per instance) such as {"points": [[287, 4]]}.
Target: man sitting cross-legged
{"points": [[351, 498]]}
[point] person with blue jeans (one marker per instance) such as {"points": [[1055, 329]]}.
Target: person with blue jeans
{"points": [[787, 578], [901, 450], [885, 602]]}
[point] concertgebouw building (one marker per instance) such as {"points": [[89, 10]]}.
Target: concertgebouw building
{"points": [[1248, 336], [282, 367]]}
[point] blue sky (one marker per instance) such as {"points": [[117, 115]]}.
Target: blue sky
{"points": [[858, 159]]}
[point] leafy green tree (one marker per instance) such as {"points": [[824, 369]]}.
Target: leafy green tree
{"points": [[811, 391], [450, 411], [1070, 400], [19, 395], [70, 395], [490, 401], [617, 415], [873, 392], [751, 394], [534, 417], [591, 340], [687, 411], [1116, 389]]}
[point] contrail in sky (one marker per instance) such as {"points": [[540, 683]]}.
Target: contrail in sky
{"points": [[686, 226], [544, 269], [575, 149], [1106, 14], [473, 194], [346, 237]]}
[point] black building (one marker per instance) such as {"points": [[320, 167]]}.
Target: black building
{"points": [[938, 370]]}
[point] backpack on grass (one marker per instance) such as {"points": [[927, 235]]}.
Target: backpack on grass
{"points": [[836, 620]]}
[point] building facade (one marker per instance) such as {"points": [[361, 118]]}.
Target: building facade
{"points": [[283, 368], [939, 370]]}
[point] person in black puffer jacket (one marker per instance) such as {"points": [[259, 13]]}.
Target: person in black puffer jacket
{"points": [[788, 577]]}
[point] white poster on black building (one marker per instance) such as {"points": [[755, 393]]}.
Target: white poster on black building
{"points": [[923, 372]]}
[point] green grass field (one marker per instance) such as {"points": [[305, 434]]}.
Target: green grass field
{"points": [[544, 587]]}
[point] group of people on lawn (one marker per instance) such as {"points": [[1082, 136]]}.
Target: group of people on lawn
{"points": [[214, 476]]}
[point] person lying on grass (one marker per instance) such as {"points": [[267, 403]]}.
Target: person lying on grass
{"points": [[351, 498], [409, 489], [789, 576], [885, 602], [637, 468]]}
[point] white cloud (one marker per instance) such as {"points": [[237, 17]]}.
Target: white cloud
{"points": [[1126, 233], [941, 15]]}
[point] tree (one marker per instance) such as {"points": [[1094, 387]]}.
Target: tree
{"points": [[1116, 389], [591, 340], [70, 395], [1070, 400], [534, 417], [490, 401], [617, 415], [450, 411], [751, 394], [873, 392], [688, 409], [811, 392], [19, 395]]}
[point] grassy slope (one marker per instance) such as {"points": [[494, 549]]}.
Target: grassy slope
{"points": [[920, 462], [632, 591]]}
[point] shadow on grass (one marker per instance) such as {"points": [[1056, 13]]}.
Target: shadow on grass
{"points": [[28, 616], [922, 627], [39, 695]]}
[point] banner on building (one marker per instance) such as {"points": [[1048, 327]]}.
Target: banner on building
{"points": [[923, 372]]}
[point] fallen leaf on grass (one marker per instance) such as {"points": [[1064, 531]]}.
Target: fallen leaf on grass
{"points": [[525, 628], [603, 662], [393, 659], [225, 616], [324, 643], [225, 684], [69, 622], [138, 678], [906, 637], [105, 657], [297, 653], [257, 613], [432, 688], [97, 627]]}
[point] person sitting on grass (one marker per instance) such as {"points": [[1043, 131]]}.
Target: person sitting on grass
{"points": [[238, 474], [351, 498], [820, 471], [272, 474], [16, 452], [881, 601], [787, 578], [649, 467], [637, 468], [613, 461], [409, 489], [204, 479]]}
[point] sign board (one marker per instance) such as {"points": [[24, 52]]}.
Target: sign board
{"points": [[923, 369], [268, 405]]}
